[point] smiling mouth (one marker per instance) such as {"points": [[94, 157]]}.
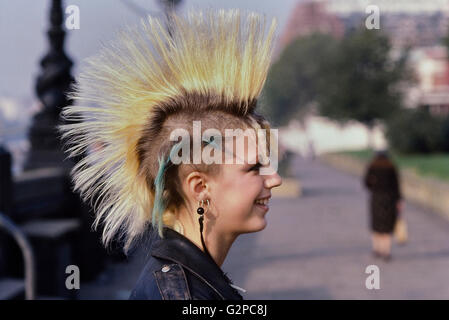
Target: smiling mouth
{"points": [[262, 203]]}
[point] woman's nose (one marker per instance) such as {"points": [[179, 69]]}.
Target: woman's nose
{"points": [[273, 180]]}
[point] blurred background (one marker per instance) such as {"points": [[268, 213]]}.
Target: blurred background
{"points": [[349, 78]]}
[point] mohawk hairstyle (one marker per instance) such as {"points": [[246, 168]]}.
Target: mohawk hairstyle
{"points": [[209, 62]]}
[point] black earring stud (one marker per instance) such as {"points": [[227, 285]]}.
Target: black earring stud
{"points": [[200, 209]]}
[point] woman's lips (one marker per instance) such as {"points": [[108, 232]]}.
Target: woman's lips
{"points": [[263, 207], [262, 203]]}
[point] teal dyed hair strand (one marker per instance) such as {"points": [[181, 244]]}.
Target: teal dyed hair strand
{"points": [[159, 184]]}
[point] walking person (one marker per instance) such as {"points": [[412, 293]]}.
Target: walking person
{"points": [[382, 181], [153, 93]]}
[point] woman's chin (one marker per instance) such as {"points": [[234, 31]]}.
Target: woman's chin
{"points": [[255, 223], [263, 226], [259, 225]]}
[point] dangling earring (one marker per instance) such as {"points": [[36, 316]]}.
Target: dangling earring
{"points": [[200, 209], [201, 212]]}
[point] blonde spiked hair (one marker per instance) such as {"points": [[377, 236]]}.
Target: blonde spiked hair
{"points": [[209, 61]]}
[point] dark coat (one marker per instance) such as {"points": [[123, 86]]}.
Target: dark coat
{"points": [[179, 270], [381, 179]]}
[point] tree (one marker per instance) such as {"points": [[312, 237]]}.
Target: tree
{"points": [[361, 82], [292, 83], [417, 131], [445, 40]]}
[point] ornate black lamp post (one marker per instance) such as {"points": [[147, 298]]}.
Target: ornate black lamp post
{"points": [[169, 6], [51, 88], [5, 181]]}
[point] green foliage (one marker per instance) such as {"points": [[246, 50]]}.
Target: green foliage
{"points": [[364, 155], [417, 131], [360, 82], [436, 165], [292, 83], [445, 134], [445, 40], [349, 79]]}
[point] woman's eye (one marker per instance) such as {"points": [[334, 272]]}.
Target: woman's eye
{"points": [[255, 167]]}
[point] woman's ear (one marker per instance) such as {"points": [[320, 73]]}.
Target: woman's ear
{"points": [[196, 187]]}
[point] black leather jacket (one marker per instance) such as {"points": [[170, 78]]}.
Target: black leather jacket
{"points": [[179, 270]]}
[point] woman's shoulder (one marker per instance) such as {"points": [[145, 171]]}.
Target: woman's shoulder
{"points": [[166, 280], [161, 280], [178, 269], [146, 287]]}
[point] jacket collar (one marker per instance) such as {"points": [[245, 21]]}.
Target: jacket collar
{"points": [[179, 249]]}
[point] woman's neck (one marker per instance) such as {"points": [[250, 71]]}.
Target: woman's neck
{"points": [[218, 244]]}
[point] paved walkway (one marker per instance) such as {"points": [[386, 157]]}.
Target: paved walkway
{"points": [[318, 247]]}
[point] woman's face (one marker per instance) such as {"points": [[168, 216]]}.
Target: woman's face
{"points": [[238, 190]]}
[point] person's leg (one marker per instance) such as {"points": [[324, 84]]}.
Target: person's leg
{"points": [[381, 244], [385, 245], [387, 239], [375, 243]]}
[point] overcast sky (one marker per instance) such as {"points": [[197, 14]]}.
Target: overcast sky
{"points": [[23, 24]]}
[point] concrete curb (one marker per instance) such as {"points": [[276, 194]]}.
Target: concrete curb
{"points": [[424, 191]]}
